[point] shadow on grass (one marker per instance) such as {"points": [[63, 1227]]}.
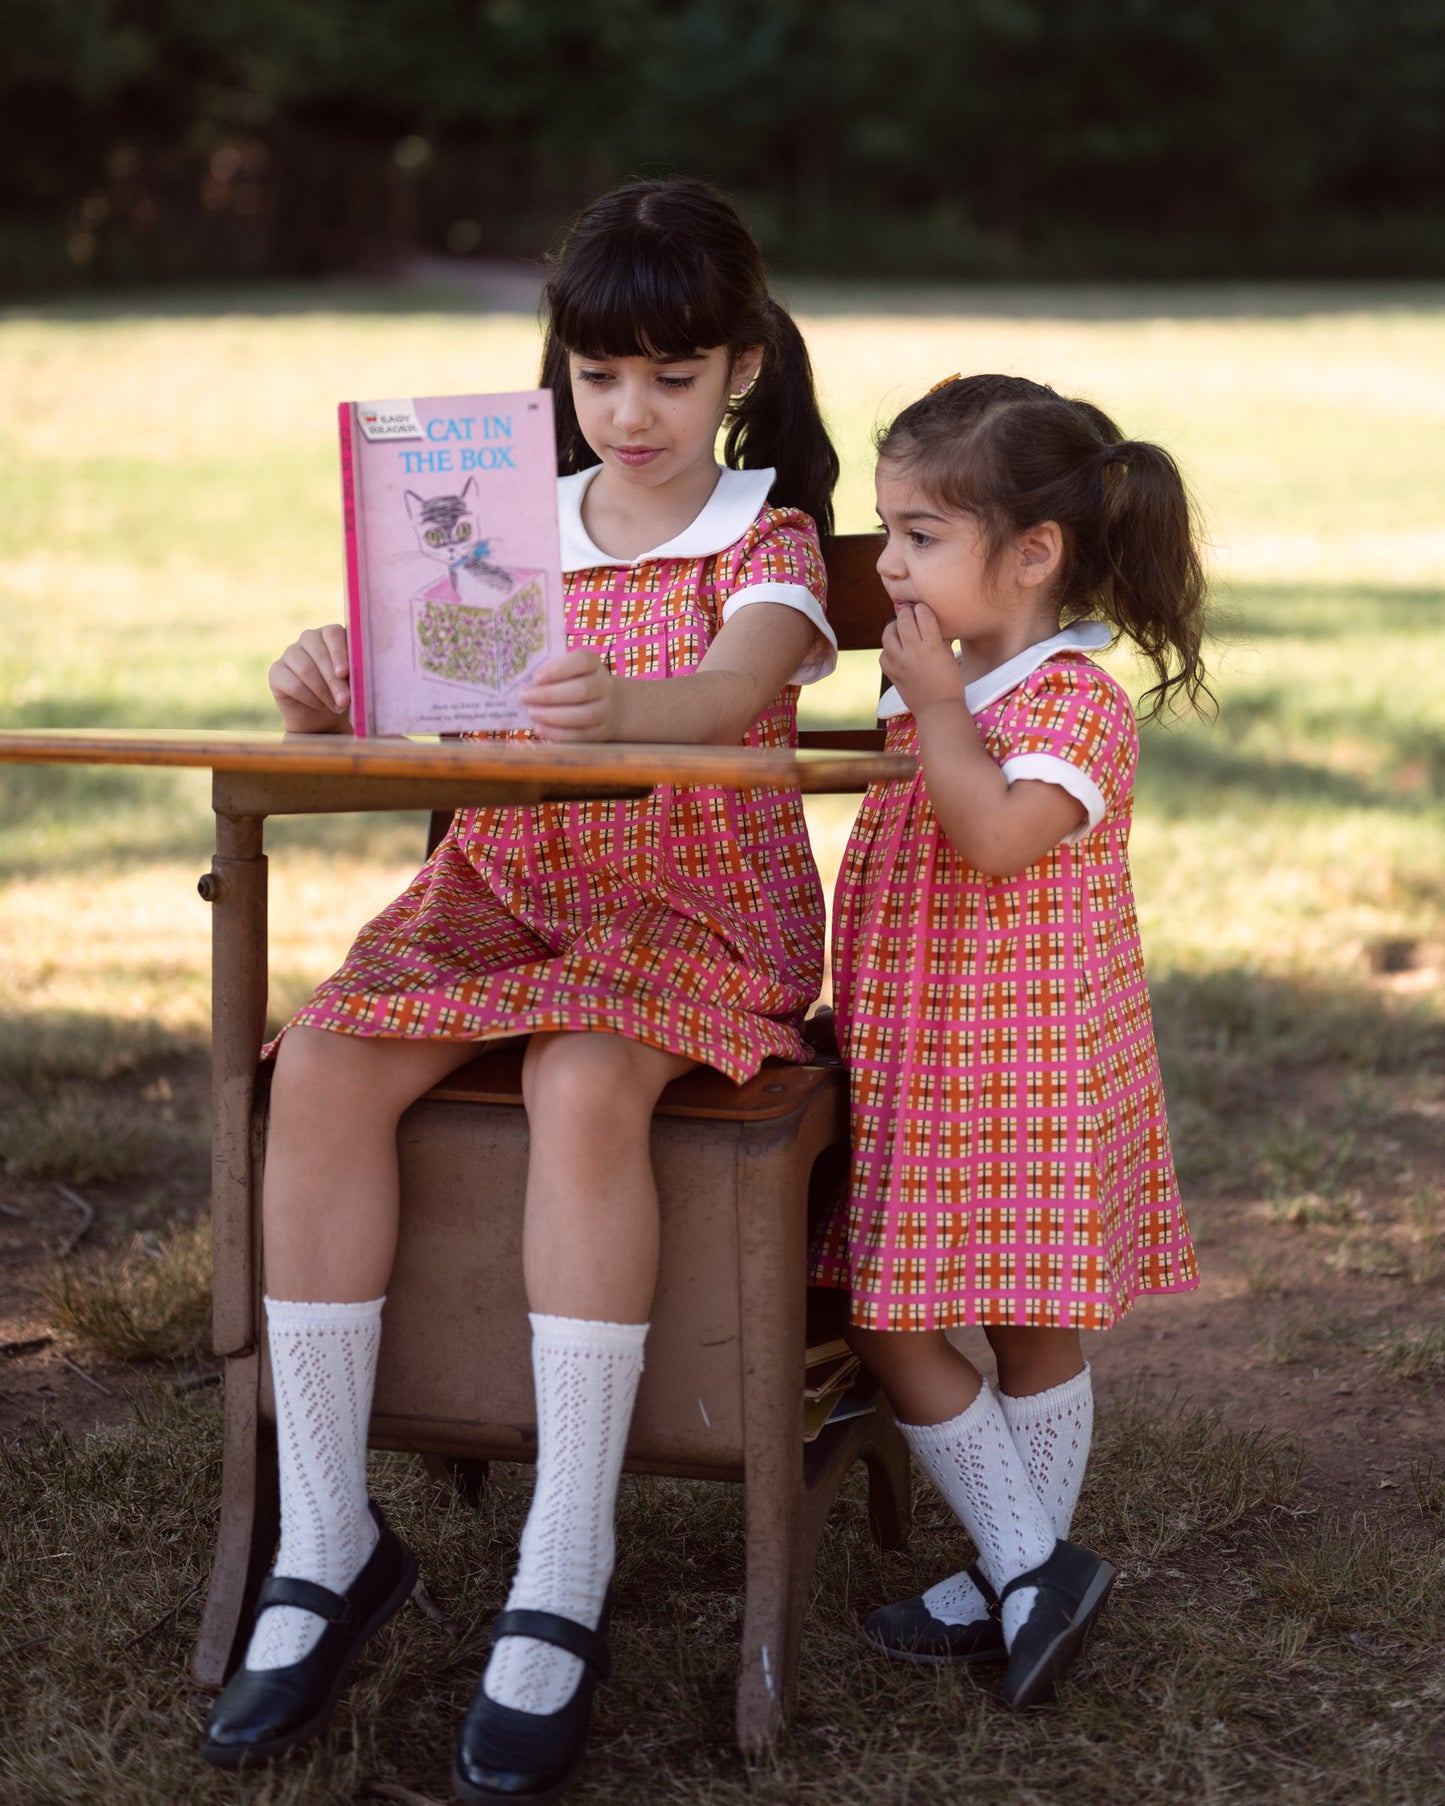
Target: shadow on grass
{"points": [[1224, 1651], [464, 286], [1200, 773], [63, 819], [1322, 611], [89, 1098], [1231, 1041]]}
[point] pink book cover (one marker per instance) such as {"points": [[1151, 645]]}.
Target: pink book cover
{"points": [[453, 570]]}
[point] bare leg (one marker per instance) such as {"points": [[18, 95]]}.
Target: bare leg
{"points": [[591, 1235], [1047, 1408], [1034, 1360], [590, 1252], [330, 1209], [927, 1380], [330, 1200]]}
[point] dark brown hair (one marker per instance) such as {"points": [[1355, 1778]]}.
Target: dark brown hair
{"points": [[1013, 453], [667, 269]]}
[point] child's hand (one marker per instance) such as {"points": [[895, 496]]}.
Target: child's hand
{"points": [[311, 682], [574, 697], [918, 659]]}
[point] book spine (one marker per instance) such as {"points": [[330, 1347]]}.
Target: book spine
{"points": [[355, 635]]}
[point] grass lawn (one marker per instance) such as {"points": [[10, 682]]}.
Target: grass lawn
{"points": [[172, 521]]}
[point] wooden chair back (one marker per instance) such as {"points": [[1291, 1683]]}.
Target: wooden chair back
{"points": [[858, 611]]}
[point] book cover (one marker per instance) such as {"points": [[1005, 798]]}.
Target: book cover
{"points": [[453, 572]]}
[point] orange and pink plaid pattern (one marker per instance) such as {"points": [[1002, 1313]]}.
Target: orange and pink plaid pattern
{"points": [[691, 920], [1011, 1159]]}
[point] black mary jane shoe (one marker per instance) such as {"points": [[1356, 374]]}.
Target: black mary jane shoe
{"points": [[1072, 1586], [503, 1754], [263, 1712], [909, 1632]]}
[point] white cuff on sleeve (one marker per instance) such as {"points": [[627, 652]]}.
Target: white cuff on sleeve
{"points": [[823, 659], [1045, 768]]}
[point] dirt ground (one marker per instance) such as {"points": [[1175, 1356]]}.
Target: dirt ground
{"points": [[1284, 1333]]}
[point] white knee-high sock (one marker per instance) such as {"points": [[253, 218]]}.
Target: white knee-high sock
{"points": [[586, 1376], [972, 1461], [1051, 1431], [323, 1367]]}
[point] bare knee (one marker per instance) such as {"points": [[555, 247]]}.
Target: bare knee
{"points": [[335, 1083], [598, 1085]]}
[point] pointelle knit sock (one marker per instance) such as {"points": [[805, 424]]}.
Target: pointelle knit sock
{"points": [[323, 1368], [586, 1374], [1052, 1431], [973, 1462]]}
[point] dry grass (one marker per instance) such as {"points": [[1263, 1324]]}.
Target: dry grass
{"points": [[1229, 1667], [1413, 1354], [151, 1302]]}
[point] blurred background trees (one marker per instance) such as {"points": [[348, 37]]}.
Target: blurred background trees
{"points": [[165, 139]]}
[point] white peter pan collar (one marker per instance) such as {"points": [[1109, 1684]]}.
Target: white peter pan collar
{"points": [[1078, 636], [727, 514]]}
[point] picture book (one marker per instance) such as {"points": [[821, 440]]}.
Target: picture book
{"points": [[453, 572]]}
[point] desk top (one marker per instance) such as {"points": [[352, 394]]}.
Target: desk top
{"points": [[594, 765]]}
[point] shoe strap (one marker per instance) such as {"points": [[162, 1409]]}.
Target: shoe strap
{"points": [[285, 1589], [588, 1646], [987, 1591], [1067, 1572]]}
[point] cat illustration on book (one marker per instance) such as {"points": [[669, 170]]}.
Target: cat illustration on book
{"points": [[482, 622]]}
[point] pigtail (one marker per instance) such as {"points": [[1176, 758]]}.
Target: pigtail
{"points": [[1153, 586], [777, 423]]}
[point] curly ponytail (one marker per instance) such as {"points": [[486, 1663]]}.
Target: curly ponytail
{"points": [[1014, 453], [1154, 589]]}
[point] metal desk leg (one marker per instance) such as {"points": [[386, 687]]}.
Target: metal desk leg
{"points": [[236, 889]]}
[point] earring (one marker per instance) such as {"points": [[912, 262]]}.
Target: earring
{"points": [[746, 390]]}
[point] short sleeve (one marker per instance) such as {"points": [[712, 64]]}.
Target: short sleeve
{"points": [[780, 560], [1071, 724]]}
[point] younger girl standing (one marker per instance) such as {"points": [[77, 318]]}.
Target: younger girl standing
{"points": [[631, 941], [1011, 1163]]}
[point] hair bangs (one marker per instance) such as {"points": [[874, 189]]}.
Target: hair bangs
{"points": [[641, 298]]}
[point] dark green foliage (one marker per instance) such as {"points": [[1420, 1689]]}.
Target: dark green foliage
{"points": [[982, 137]]}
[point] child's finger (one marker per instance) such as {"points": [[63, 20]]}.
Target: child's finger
{"points": [[321, 653], [577, 693], [296, 675], [578, 663], [550, 724], [333, 637], [564, 709]]}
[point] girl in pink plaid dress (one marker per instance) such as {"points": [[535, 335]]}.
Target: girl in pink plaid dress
{"points": [[1011, 1163], [630, 941]]}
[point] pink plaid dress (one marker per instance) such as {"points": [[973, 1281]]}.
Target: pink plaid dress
{"points": [[691, 920], [1011, 1159]]}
